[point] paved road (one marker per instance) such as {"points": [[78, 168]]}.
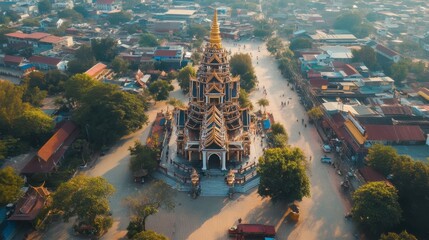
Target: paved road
{"points": [[322, 215]]}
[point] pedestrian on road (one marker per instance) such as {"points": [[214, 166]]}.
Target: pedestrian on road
{"points": [[299, 133]]}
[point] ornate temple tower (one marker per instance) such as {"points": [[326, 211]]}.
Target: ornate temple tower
{"points": [[213, 128]]}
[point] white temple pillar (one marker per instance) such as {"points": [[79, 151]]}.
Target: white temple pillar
{"points": [[223, 160], [204, 161]]}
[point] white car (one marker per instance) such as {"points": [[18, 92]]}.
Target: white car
{"points": [[326, 148], [326, 160]]}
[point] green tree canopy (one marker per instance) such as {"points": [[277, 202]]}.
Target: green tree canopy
{"points": [[120, 65], [175, 102], [77, 87], [376, 207], [119, 17], [262, 29], [315, 113], [87, 199], [148, 40], [149, 235], [83, 60], [70, 14], [382, 158], [353, 22], [280, 140], [104, 49], [282, 174], [184, 77], [241, 64], [31, 22], [244, 100], [44, 6], [82, 11], [197, 30], [146, 203], [11, 104], [300, 43], [143, 157], [278, 128], [368, 56], [55, 80], [10, 186], [399, 71], [263, 102], [275, 45], [160, 89], [114, 114], [33, 126], [404, 235]]}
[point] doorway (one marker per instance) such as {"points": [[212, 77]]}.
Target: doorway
{"points": [[214, 162]]}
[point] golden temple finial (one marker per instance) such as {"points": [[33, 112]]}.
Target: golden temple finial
{"points": [[215, 40]]}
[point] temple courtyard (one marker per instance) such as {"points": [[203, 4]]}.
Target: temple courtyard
{"points": [[322, 215]]}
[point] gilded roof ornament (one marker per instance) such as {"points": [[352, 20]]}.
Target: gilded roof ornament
{"points": [[215, 40]]}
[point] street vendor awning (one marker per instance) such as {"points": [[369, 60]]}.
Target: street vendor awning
{"points": [[266, 124]]}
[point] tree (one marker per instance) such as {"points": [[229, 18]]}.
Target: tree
{"points": [[196, 57], [87, 199], [84, 60], [11, 104], [404, 235], [243, 99], [160, 89], [278, 128], [175, 102], [148, 40], [274, 45], [70, 14], [348, 21], [119, 65], [104, 49], [143, 157], [113, 114], [184, 77], [30, 22], [382, 158], [143, 204], [300, 43], [241, 64], [36, 79], [262, 29], [280, 140], [376, 207], [77, 87], [198, 31], [315, 113], [399, 71], [282, 174], [10, 186], [33, 126], [44, 6], [263, 102], [55, 80], [82, 11], [119, 17], [366, 55], [149, 235], [34, 95]]}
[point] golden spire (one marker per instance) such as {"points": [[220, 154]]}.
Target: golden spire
{"points": [[215, 40]]}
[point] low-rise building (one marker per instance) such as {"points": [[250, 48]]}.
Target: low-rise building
{"points": [[107, 5], [47, 63]]}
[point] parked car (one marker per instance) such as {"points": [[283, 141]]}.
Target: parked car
{"points": [[326, 148], [326, 159]]}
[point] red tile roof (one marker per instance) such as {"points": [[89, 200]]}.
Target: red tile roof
{"points": [[51, 39], [165, 53], [45, 60], [30, 205], [105, 1], [35, 35], [96, 69], [13, 59], [387, 51], [395, 133], [56, 141], [318, 82]]}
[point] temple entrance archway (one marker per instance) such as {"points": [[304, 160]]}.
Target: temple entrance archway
{"points": [[214, 162]]}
